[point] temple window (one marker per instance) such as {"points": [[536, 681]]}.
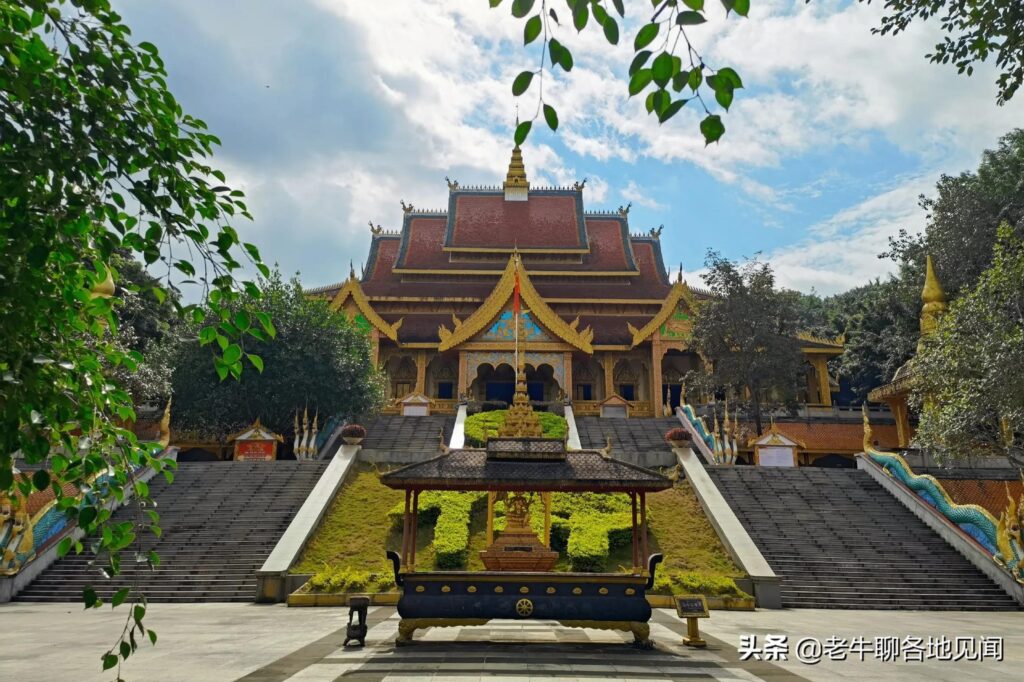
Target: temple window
{"points": [[584, 391], [627, 391], [445, 390], [402, 389]]}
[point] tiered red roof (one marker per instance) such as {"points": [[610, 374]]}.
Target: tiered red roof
{"points": [[549, 219]]}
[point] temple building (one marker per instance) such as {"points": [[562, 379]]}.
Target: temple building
{"points": [[604, 323]]}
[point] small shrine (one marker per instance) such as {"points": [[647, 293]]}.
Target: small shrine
{"points": [[256, 442], [775, 449], [520, 469], [415, 405]]}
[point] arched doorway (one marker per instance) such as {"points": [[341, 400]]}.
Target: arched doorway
{"points": [[675, 364], [494, 384]]}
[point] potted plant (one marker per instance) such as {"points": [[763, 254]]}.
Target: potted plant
{"points": [[353, 434], [678, 437]]}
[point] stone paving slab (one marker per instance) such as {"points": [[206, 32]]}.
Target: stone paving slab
{"points": [[200, 642]]}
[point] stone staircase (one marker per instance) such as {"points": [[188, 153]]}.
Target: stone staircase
{"points": [[636, 440], [220, 521], [394, 438], [840, 541]]}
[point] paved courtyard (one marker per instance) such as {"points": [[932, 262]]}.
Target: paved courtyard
{"points": [[200, 642]]}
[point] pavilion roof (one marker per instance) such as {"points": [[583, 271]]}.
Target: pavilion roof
{"points": [[579, 471]]}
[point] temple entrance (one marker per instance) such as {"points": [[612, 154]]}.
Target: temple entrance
{"points": [[497, 384]]}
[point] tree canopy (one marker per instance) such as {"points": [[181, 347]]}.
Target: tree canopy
{"points": [[747, 331], [318, 359], [97, 156], [968, 373]]}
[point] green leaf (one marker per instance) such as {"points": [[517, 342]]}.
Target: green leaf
{"points": [[671, 110], [712, 128], [580, 15], [232, 353], [522, 131], [724, 97], [639, 81], [551, 116], [109, 661], [619, 7], [41, 479], [522, 83], [645, 35], [256, 361], [638, 61], [222, 370], [138, 612], [689, 18], [89, 597], [142, 489], [119, 597], [64, 546], [694, 4], [560, 54], [611, 31], [741, 7], [661, 69], [152, 636], [86, 515], [696, 78], [242, 320], [520, 8], [532, 29], [729, 75]]}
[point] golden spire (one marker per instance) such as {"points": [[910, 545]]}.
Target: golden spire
{"points": [[516, 186], [934, 299], [521, 421]]}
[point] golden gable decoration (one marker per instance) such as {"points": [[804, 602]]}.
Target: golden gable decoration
{"points": [[496, 302]]}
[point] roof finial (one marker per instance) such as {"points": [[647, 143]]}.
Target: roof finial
{"points": [[934, 299], [679, 276], [516, 186], [351, 270]]}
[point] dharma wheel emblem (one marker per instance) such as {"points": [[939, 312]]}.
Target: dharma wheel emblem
{"points": [[524, 607]]}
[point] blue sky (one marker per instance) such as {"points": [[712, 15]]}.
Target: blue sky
{"points": [[331, 111]]}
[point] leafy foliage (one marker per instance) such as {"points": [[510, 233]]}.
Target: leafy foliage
{"points": [[748, 333], [482, 424], [968, 374], [657, 68], [318, 358], [98, 158], [974, 31]]}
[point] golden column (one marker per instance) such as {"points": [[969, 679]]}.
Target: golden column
{"points": [[656, 387], [567, 389], [821, 370], [463, 378], [609, 380], [421, 372]]}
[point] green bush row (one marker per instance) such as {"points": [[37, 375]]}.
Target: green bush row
{"points": [[482, 424], [449, 513], [342, 579]]}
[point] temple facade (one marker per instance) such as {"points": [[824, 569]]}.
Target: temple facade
{"points": [[603, 322]]}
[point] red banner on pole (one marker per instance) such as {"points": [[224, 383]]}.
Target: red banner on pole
{"points": [[515, 295]]}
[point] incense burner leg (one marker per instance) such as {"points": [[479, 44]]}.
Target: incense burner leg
{"points": [[641, 635]]}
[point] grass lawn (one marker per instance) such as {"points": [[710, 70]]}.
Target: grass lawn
{"points": [[347, 551]]}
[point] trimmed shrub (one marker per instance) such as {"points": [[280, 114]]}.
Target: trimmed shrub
{"points": [[449, 513], [343, 579], [479, 425]]}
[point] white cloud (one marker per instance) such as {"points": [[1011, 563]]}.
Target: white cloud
{"points": [[633, 193], [842, 251]]}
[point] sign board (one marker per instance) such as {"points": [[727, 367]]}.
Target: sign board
{"points": [[255, 450], [691, 606], [775, 456]]}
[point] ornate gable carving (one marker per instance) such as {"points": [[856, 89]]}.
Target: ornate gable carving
{"points": [[354, 291], [679, 292], [488, 313]]}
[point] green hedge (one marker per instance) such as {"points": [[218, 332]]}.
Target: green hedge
{"points": [[592, 524], [482, 423], [449, 513]]}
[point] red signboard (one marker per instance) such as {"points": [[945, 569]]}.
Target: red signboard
{"points": [[255, 449]]}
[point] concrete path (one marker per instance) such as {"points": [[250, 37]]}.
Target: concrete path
{"points": [[259, 643]]}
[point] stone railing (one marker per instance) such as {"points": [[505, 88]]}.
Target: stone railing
{"points": [[586, 408], [443, 406]]}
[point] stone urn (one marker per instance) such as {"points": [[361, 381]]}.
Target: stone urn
{"points": [[353, 434], [678, 437]]}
